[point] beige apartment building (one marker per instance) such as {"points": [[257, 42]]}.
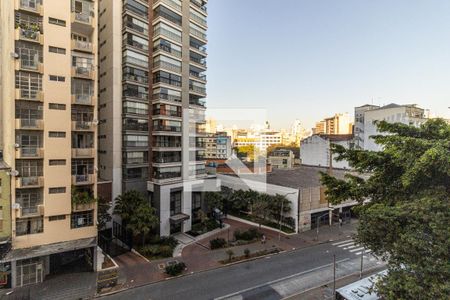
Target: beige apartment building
{"points": [[340, 123], [152, 89], [48, 69]]}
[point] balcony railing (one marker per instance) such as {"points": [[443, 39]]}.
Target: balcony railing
{"points": [[82, 152], [168, 34], [200, 61], [137, 28], [82, 46], [199, 4], [82, 179], [165, 112], [83, 18], [198, 75], [135, 61], [29, 124], [167, 160], [82, 125], [29, 35], [29, 94], [83, 207], [167, 50], [167, 145], [166, 97], [166, 66], [170, 3], [83, 99], [86, 72], [198, 33], [29, 65], [197, 89], [199, 102], [30, 152], [31, 181], [30, 6], [198, 19], [167, 128], [135, 78], [198, 47]]}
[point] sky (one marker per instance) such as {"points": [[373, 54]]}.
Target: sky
{"points": [[309, 59]]}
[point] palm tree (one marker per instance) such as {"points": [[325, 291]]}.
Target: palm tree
{"points": [[127, 203], [143, 220]]}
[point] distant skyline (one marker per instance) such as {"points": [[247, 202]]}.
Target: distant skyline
{"points": [[307, 60]]}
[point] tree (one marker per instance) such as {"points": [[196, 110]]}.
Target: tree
{"points": [[407, 218], [230, 254], [142, 221], [104, 216], [214, 200], [127, 203], [247, 151], [259, 207], [277, 203]]}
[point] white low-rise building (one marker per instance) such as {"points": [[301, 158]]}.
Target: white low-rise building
{"points": [[315, 150]]}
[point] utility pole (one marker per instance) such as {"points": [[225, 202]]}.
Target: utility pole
{"points": [[334, 276], [361, 269]]}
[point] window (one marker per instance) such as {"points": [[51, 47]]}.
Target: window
{"points": [[175, 203], [57, 218], [58, 22], [82, 219], [57, 106], [56, 50], [56, 134], [29, 199], [57, 162], [57, 190], [29, 226], [57, 78]]}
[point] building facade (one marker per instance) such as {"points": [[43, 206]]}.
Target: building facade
{"points": [[152, 101], [408, 114], [282, 159], [315, 150], [49, 115], [218, 146], [338, 124]]}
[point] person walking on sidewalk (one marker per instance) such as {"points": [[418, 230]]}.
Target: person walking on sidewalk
{"points": [[263, 239]]}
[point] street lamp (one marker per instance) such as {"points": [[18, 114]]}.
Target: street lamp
{"points": [[281, 213]]}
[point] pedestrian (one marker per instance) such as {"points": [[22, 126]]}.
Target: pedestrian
{"points": [[263, 239]]}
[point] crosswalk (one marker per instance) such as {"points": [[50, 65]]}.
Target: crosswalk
{"points": [[352, 247]]}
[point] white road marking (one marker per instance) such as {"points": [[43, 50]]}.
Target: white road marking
{"points": [[365, 252], [345, 245], [357, 249], [341, 242], [351, 247]]}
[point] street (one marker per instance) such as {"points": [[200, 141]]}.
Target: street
{"points": [[273, 277]]}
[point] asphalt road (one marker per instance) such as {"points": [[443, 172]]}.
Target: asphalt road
{"points": [[249, 278]]}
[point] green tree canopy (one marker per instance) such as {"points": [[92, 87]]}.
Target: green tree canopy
{"points": [[127, 203], [404, 206]]}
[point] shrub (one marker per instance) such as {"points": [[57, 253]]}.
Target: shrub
{"points": [[166, 251], [217, 243], [248, 235], [230, 254], [175, 269], [247, 253], [168, 241]]}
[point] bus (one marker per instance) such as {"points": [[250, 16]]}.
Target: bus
{"points": [[361, 289]]}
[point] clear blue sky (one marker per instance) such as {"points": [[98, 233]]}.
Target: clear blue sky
{"points": [[309, 59]]}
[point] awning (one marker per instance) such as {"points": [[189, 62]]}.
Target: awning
{"points": [[44, 250], [178, 218]]}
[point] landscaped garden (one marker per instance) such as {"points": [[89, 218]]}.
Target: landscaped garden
{"points": [[260, 208]]}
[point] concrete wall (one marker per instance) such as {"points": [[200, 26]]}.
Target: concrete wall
{"points": [[315, 151]]}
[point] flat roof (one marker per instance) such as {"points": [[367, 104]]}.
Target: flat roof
{"points": [[302, 177], [360, 290]]}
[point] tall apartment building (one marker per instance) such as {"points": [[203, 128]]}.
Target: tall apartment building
{"points": [[48, 110], [152, 101], [337, 124]]}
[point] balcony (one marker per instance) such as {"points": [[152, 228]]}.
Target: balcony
{"points": [[30, 124], [173, 4], [29, 35], [167, 113], [82, 126], [29, 94], [83, 152], [29, 182], [30, 6], [175, 129], [197, 102], [82, 46], [27, 212], [83, 179], [82, 22], [200, 5], [197, 89], [29, 65], [166, 49], [198, 20], [83, 72], [29, 152], [83, 207], [198, 34], [83, 99], [168, 34], [198, 76], [167, 66]]}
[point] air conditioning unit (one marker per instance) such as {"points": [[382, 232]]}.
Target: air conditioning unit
{"points": [[16, 206], [16, 145], [81, 221]]}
